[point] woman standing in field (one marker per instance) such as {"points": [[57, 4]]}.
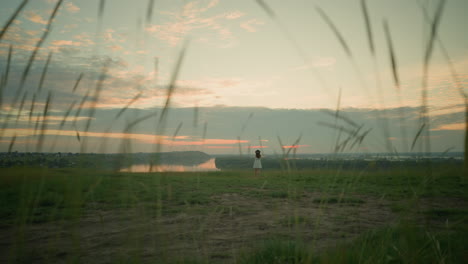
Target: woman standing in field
{"points": [[257, 162]]}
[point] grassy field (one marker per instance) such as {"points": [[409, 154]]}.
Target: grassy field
{"points": [[316, 216], [340, 215]]}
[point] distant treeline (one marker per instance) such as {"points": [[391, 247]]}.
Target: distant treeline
{"points": [[102, 161], [233, 163]]}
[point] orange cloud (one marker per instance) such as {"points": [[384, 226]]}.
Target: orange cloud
{"points": [[295, 146], [192, 19], [84, 38], [66, 43], [234, 15], [249, 25], [455, 126], [220, 147], [115, 47], [70, 7], [142, 138], [34, 17], [257, 147]]}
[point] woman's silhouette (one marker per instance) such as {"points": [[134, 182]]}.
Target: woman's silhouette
{"points": [[257, 162]]}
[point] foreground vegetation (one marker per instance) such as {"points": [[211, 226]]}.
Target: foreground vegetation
{"points": [[316, 216]]}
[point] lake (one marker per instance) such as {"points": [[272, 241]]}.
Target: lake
{"points": [[206, 166]]}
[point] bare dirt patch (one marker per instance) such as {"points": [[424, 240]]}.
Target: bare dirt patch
{"points": [[216, 232]]}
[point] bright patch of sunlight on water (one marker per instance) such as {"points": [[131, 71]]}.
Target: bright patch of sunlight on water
{"points": [[206, 166]]}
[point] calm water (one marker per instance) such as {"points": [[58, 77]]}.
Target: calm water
{"points": [[207, 166]]}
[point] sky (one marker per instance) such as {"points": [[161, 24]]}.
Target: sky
{"points": [[241, 74]]}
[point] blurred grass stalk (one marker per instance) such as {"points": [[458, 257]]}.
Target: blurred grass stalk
{"points": [[354, 133]]}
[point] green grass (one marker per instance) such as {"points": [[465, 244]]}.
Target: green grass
{"points": [[59, 189], [399, 244], [193, 205]]}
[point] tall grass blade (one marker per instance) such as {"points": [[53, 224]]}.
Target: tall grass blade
{"points": [[20, 110], [12, 143], [41, 139], [466, 138], [244, 125], [36, 126], [135, 122], [4, 79], [302, 54], [7, 70], [418, 134], [205, 129], [80, 107], [396, 80], [335, 30], [361, 137], [102, 6], [446, 55], [149, 11], [67, 113], [156, 71], [370, 38], [44, 72], [433, 33], [267, 8], [2, 82], [33, 104], [176, 132], [172, 84], [294, 145], [133, 100], [12, 18], [97, 93], [284, 158], [62, 123], [427, 57], [340, 115], [391, 53], [161, 124], [239, 145], [336, 114], [344, 45], [77, 82], [337, 127], [281, 145], [456, 80], [195, 116], [39, 44]]}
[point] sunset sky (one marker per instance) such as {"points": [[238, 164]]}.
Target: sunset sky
{"points": [[252, 75]]}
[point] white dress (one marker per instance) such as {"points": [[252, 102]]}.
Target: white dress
{"points": [[257, 164]]}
